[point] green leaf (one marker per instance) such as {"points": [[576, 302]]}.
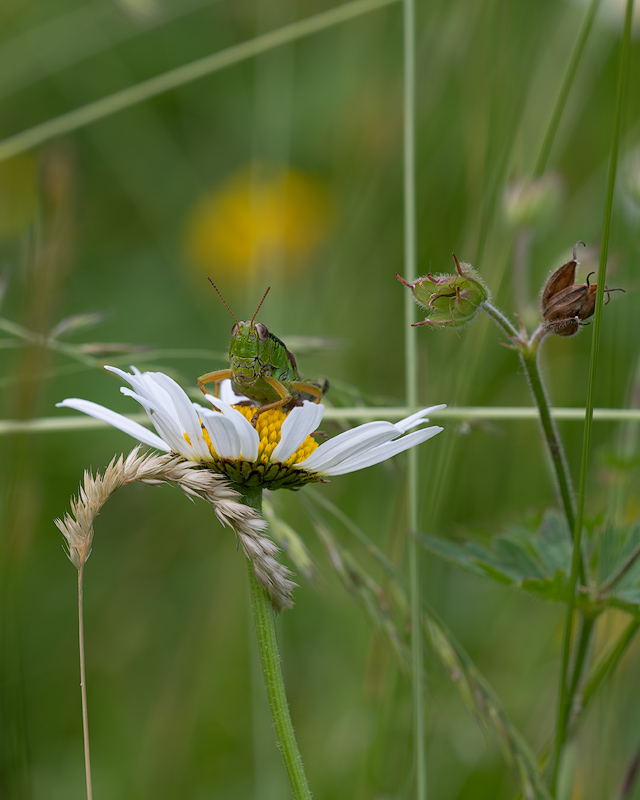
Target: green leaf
{"points": [[538, 561]]}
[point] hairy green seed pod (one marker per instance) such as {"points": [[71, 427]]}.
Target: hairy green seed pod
{"points": [[451, 300]]}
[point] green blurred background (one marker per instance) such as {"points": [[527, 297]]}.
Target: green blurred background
{"points": [[286, 170]]}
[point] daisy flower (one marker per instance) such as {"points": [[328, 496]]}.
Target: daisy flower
{"points": [[278, 452]]}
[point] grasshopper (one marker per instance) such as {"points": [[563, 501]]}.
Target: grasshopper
{"points": [[262, 368]]}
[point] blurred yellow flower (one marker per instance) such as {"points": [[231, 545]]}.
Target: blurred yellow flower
{"points": [[256, 216]]}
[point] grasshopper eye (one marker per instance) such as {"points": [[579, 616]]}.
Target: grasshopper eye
{"points": [[234, 330], [261, 330]]}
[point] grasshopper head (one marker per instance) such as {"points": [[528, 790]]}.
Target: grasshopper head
{"points": [[246, 338], [245, 346], [251, 330]]}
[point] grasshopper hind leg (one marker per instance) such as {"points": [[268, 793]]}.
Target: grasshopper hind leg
{"points": [[315, 389]]}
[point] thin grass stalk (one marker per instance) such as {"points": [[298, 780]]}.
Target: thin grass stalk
{"points": [[565, 698], [411, 389], [83, 682], [173, 79]]}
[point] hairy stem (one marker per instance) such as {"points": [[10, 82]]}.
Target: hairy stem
{"points": [[554, 445], [528, 353], [264, 620]]}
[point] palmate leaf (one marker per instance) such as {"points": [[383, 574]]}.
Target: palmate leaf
{"points": [[617, 566], [538, 561]]}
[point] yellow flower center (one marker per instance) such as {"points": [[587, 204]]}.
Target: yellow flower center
{"points": [[262, 471], [269, 428]]}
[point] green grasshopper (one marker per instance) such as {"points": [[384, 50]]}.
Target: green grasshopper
{"points": [[262, 369]]}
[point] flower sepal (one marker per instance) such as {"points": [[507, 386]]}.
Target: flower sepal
{"points": [[269, 476]]}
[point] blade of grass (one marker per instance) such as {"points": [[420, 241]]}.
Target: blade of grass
{"points": [[564, 696]]}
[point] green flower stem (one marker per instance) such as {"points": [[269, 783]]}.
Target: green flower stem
{"points": [[554, 445], [264, 620], [586, 630], [528, 353]]}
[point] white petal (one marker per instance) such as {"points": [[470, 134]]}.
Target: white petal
{"points": [[419, 416], [383, 452], [249, 439], [228, 396], [187, 415], [149, 385], [117, 420], [298, 424], [224, 436], [165, 422], [145, 386], [349, 443]]}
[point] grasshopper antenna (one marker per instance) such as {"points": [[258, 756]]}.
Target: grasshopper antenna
{"points": [[223, 300], [259, 304]]}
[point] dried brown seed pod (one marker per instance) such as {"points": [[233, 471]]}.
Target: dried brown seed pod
{"points": [[565, 304]]}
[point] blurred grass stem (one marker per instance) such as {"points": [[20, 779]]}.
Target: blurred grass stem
{"points": [[264, 620], [565, 695], [606, 665], [567, 83], [458, 413], [83, 682], [139, 92], [411, 391]]}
